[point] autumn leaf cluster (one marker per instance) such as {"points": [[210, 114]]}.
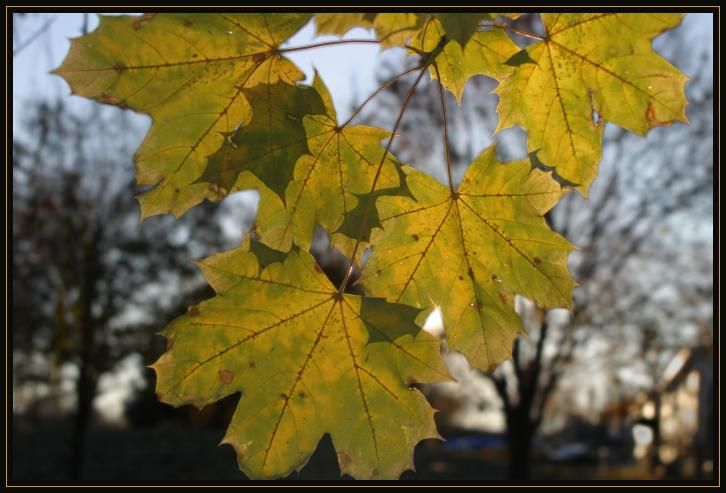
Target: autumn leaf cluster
{"points": [[230, 112]]}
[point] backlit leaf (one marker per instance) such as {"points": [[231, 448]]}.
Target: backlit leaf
{"points": [[339, 23], [590, 69], [269, 145], [189, 73], [330, 181], [483, 53], [307, 361], [469, 253]]}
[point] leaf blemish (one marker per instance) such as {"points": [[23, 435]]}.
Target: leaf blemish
{"points": [[343, 460], [193, 310], [653, 119], [114, 100], [138, 23], [225, 376]]}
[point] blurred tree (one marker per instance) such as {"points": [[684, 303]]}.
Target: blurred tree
{"points": [[90, 283], [641, 261]]}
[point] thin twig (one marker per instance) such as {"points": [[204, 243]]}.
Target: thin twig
{"points": [[377, 92], [327, 43], [447, 154], [364, 221], [526, 34], [33, 36], [426, 61]]}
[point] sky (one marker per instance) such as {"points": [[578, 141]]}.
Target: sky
{"points": [[349, 71]]}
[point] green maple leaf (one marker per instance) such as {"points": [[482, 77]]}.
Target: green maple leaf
{"points": [[269, 145], [460, 27], [307, 361], [590, 69], [189, 73], [470, 252], [330, 182]]}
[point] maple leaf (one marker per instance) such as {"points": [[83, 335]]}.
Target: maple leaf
{"points": [[586, 70], [396, 29], [460, 27], [189, 73], [269, 145], [468, 53], [332, 181], [307, 361], [339, 24], [471, 251]]}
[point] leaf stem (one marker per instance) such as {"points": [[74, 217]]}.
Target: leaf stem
{"points": [[427, 60], [510, 29], [327, 43], [378, 91], [447, 154]]}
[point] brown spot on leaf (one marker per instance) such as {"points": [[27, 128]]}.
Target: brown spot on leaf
{"points": [[495, 278], [537, 260], [411, 382], [503, 296], [283, 396], [169, 343], [188, 23], [253, 365], [114, 100], [653, 118], [461, 278], [120, 67], [343, 460], [225, 376], [193, 310], [259, 58], [415, 237], [301, 395], [138, 23]]}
